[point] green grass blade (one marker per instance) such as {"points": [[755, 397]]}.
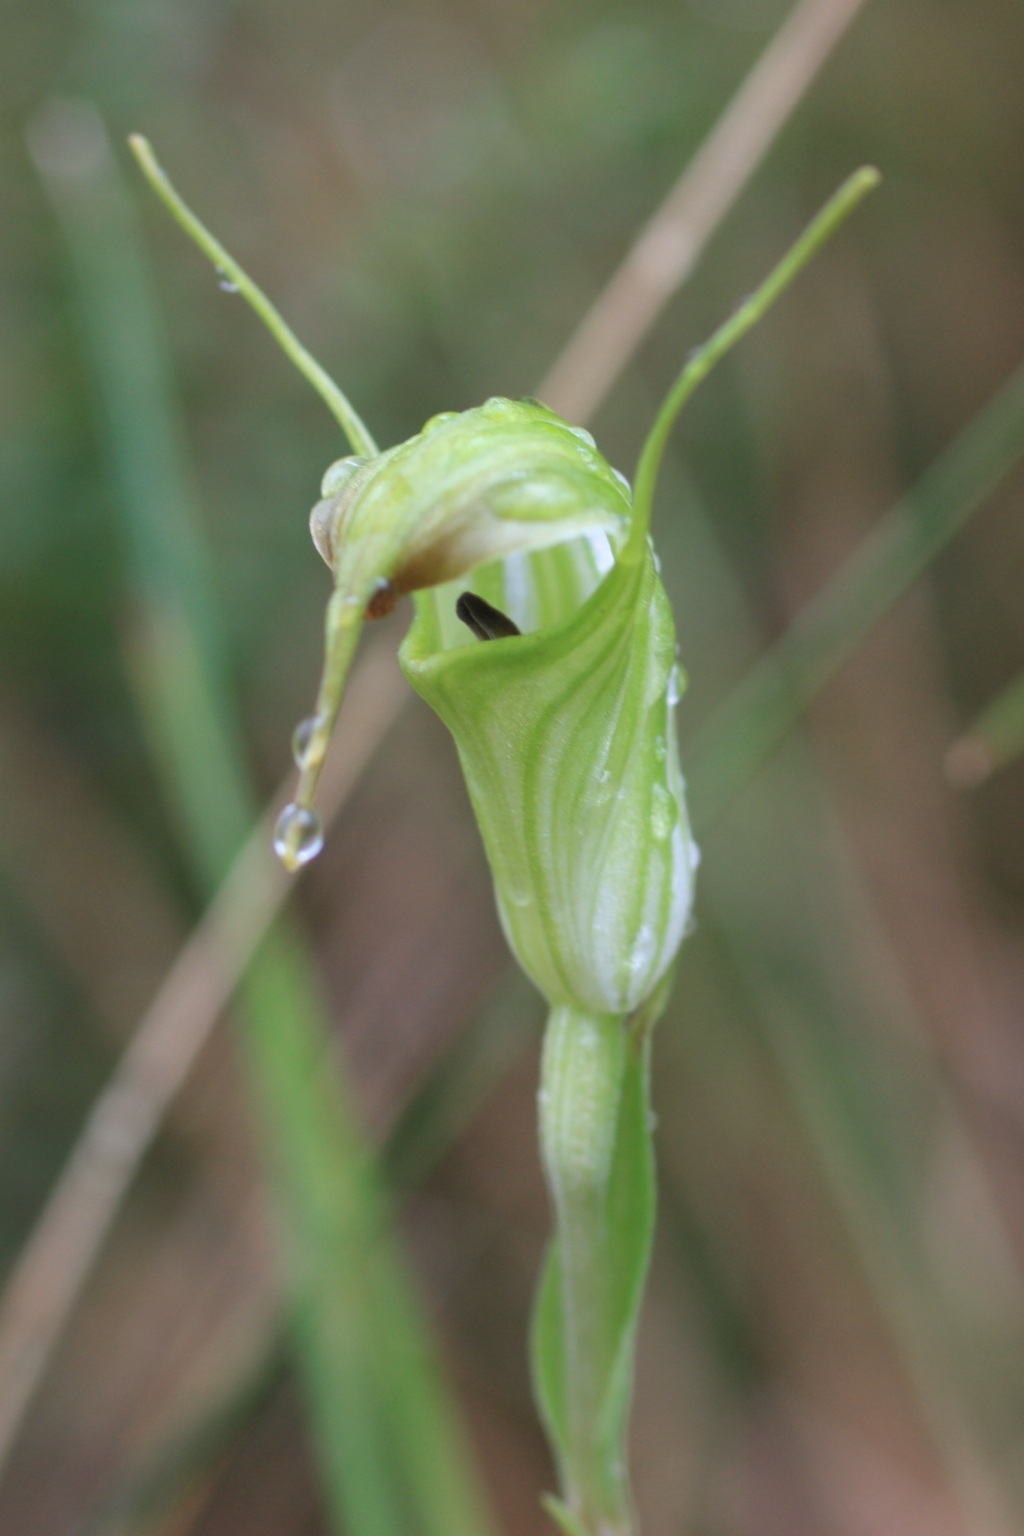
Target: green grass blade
{"points": [[362, 1345], [766, 705], [995, 739]]}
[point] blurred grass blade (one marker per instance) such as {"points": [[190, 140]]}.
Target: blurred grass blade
{"points": [[779, 907], [389, 1445], [995, 739], [166, 1475], [765, 706], [668, 246]]}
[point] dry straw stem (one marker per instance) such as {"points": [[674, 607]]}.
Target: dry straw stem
{"points": [[47, 1279], [667, 248], [60, 1252]]}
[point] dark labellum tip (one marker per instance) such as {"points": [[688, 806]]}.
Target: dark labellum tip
{"points": [[382, 601], [486, 622]]}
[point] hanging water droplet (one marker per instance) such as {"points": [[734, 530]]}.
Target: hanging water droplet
{"points": [[673, 691], [301, 738], [338, 474], [226, 283], [298, 836], [664, 813], [584, 436], [694, 857], [620, 477]]}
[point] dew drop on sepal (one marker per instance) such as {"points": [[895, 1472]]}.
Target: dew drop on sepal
{"points": [[298, 836], [338, 474], [301, 737], [437, 421]]}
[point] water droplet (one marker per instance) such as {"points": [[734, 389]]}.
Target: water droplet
{"points": [[603, 787], [225, 282], [654, 554], [584, 436], [673, 691], [437, 421], [664, 813], [620, 477], [659, 747], [301, 737], [694, 856], [298, 836], [340, 473], [643, 949]]}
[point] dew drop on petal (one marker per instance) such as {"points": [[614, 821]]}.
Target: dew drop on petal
{"points": [[603, 787], [673, 691], [298, 836], [584, 436], [620, 477], [664, 813], [225, 282]]}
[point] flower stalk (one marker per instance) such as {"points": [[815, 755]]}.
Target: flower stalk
{"points": [[544, 639]]}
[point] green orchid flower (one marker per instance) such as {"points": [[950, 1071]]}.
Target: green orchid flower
{"points": [[544, 639], [565, 725]]}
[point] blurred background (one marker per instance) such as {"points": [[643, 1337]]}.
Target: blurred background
{"points": [[434, 192]]}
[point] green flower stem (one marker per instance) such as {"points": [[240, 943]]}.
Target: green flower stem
{"points": [[839, 206], [337, 402], [595, 1123], [581, 1085]]}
